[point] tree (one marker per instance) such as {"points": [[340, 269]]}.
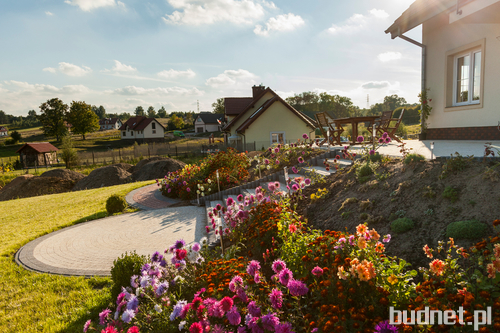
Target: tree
{"points": [[16, 137], [151, 112], [162, 113], [139, 111], [394, 101], [175, 122], [99, 111], [68, 152], [4, 119], [218, 107], [82, 119], [52, 114]]}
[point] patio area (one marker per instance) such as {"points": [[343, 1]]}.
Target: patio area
{"points": [[442, 148]]}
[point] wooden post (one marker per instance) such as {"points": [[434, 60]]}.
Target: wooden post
{"points": [[221, 239], [120, 154], [36, 160]]}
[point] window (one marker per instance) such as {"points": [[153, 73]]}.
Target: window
{"points": [[278, 137], [153, 125], [198, 120], [124, 133], [154, 131], [467, 78]]}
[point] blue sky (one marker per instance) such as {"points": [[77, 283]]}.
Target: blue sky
{"points": [[173, 53]]}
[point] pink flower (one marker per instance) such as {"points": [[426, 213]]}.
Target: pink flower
{"points": [[196, 328], [233, 316], [317, 271], [253, 267], [276, 298], [226, 303], [292, 227], [133, 329], [188, 189], [360, 139]]}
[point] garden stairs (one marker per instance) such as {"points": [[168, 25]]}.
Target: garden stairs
{"points": [[314, 165]]}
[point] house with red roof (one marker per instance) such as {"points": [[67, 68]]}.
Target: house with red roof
{"points": [[142, 129], [37, 154], [110, 124], [4, 131], [263, 120]]}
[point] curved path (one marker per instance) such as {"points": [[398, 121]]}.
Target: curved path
{"points": [[90, 248]]}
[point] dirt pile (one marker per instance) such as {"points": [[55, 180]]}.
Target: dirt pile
{"points": [[26, 186], [64, 174], [415, 192], [155, 168], [109, 175]]}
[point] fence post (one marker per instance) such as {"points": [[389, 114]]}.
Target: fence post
{"points": [[93, 159], [120, 154], [176, 151], [149, 152]]}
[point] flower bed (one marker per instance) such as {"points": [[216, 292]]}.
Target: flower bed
{"points": [[202, 179], [306, 281]]}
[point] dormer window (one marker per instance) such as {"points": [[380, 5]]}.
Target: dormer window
{"points": [[153, 125]]}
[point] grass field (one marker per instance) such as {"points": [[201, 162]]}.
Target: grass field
{"points": [[34, 302]]}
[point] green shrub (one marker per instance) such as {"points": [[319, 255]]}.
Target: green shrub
{"points": [[413, 158], [470, 229], [402, 225], [402, 130], [115, 204], [364, 172], [375, 157], [450, 193], [123, 269], [455, 164]]}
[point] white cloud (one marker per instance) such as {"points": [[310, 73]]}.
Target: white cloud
{"points": [[231, 78], [358, 22], [119, 67], [286, 22], [88, 5], [50, 69], [26, 88], [73, 70], [196, 12], [388, 56], [173, 74], [48, 13], [133, 91], [376, 85]]}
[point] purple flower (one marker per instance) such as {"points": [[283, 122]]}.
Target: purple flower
{"points": [[287, 328], [387, 140], [218, 207], [305, 136], [385, 327], [266, 161], [253, 267], [276, 298], [229, 201], [300, 159], [169, 190], [270, 321], [276, 150], [156, 257], [184, 183], [133, 281], [253, 309], [236, 283], [234, 316], [381, 140], [294, 170], [239, 198], [285, 276], [256, 278], [128, 315], [277, 162], [133, 303], [297, 288], [103, 316], [179, 244], [307, 181], [317, 271], [295, 187], [87, 325], [387, 238], [196, 247], [162, 288], [278, 266], [188, 189], [385, 135], [372, 152], [360, 139], [271, 187]]}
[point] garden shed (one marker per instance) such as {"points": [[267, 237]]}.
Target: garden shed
{"points": [[37, 154]]}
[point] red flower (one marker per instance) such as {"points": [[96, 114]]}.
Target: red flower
{"points": [[133, 329]]}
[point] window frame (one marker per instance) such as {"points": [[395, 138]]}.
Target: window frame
{"points": [[271, 137], [451, 75], [470, 91]]}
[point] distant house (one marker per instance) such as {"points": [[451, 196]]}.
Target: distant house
{"points": [[110, 124], [37, 154], [460, 65], [4, 131], [142, 128], [208, 122], [264, 119]]}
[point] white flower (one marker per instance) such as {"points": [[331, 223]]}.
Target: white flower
{"points": [[268, 167], [158, 308], [198, 185], [192, 256], [138, 291], [178, 278], [181, 325], [202, 194], [198, 191], [204, 240], [209, 181], [202, 188]]}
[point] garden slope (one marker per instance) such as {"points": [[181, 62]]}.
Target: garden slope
{"points": [[415, 192]]}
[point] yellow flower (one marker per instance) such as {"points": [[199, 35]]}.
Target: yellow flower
{"points": [[392, 279]]}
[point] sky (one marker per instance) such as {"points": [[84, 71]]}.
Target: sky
{"points": [[181, 53]]}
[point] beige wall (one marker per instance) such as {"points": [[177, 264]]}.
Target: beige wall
{"points": [[277, 118], [148, 131], [442, 40]]}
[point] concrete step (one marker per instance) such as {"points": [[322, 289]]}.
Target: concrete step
{"points": [[248, 192], [318, 169], [342, 163]]}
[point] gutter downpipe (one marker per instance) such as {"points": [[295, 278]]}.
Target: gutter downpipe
{"points": [[423, 68]]}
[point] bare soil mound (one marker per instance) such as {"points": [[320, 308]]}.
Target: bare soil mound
{"points": [[64, 174], [109, 175], [30, 186], [156, 169], [399, 191], [142, 163]]}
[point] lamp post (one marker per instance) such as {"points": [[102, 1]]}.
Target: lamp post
{"points": [[432, 150]]}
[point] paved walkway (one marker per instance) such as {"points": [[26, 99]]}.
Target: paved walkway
{"points": [[149, 197], [90, 248]]}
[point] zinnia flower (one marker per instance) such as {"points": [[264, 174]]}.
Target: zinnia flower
{"points": [[278, 266], [253, 267], [133, 329], [196, 328], [285, 276], [385, 327], [103, 316], [387, 140], [233, 316], [87, 325], [226, 303], [300, 159], [360, 139], [317, 271], [276, 298], [297, 288]]}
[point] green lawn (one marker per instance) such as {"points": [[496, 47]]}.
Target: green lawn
{"points": [[34, 302]]}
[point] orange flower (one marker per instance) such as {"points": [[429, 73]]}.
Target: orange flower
{"points": [[361, 242], [374, 234], [361, 229], [427, 251], [437, 266], [491, 271]]}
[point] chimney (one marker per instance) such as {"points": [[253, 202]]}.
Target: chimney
{"points": [[257, 90]]}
